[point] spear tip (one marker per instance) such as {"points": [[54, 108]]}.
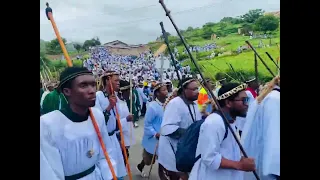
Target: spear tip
{"points": [[48, 9]]}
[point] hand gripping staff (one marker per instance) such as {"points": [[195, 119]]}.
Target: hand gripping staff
{"points": [[202, 77], [69, 62]]}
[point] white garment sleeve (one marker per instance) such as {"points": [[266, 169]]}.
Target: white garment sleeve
{"points": [[50, 159], [210, 138], [102, 163], [171, 119]]}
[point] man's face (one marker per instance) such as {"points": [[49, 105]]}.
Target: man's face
{"points": [[82, 91], [209, 85], [192, 91], [239, 105], [115, 81]]}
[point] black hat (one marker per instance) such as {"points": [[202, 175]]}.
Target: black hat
{"points": [[70, 73]]}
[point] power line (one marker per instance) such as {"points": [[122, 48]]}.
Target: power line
{"points": [[151, 18]]}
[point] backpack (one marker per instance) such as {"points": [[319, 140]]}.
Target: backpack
{"points": [[187, 146]]}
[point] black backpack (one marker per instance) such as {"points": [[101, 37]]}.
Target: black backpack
{"points": [[187, 146]]}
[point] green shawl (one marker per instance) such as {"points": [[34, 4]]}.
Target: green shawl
{"points": [[52, 102]]}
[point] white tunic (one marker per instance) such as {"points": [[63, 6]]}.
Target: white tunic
{"points": [[64, 146], [127, 127], [176, 115], [261, 136], [102, 103], [212, 148]]}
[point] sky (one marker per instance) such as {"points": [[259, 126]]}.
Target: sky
{"points": [[137, 21]]}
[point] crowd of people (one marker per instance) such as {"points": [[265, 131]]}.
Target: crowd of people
{"points": [[87, 128], [142, 68]]}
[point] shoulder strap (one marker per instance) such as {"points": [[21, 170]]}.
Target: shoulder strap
{"points": [[225, 125], [276, 89]]}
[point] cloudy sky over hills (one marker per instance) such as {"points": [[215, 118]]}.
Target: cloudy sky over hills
{"points": [[137, 21]]}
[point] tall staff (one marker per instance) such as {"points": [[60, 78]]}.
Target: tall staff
{"points": [[131, 104], [69, 63], [210, 92], [254, 50], [256, 70]]}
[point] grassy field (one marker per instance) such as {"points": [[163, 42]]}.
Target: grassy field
{"points": [[243, 61]]}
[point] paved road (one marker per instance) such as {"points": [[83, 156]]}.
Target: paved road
{"points": [[136, 157]]}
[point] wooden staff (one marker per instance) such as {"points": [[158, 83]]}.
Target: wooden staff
{"points": [[202, 77], [256, 70], [131, 103], [153, 159], [122, 137], [69, 63]]}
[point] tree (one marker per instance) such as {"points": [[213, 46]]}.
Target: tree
{"points": [[246, 28], [252, 15], [207, 32], [96, 41], [189, 28], [267, 23], [91, 43], [77, 47], [168, 34], [209, 25], [53, 47], [223, 25], [231, 20]]}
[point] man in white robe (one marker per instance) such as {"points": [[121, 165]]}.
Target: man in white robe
{"points": [[69, 145], [179, 114], [125, 115], [107, 102], [261, 133], [251, 92], [220, 154]]}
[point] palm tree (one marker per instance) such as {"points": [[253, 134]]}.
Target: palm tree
{"points": [[43, 61]]}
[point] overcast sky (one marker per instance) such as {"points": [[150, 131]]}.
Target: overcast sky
{"points": [[137, 21]]}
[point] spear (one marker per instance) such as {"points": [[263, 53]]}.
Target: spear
{"points": [[256, 69], [265, 65], [270, 57], [69, 63], [202, 77]]}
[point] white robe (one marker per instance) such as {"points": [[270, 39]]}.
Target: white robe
{"points": [[127, 127], [212, 148], [261, 136], [64, 146], [176, 115], [102, 103]]}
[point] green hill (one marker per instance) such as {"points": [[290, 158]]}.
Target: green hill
{"points": [[232, 33]]}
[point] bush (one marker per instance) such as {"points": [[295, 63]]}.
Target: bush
{"points": [[241, 74], [202, 55], [182, 57]]}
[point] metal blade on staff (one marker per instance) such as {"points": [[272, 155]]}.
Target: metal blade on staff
{"points": [[202, 77]]}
